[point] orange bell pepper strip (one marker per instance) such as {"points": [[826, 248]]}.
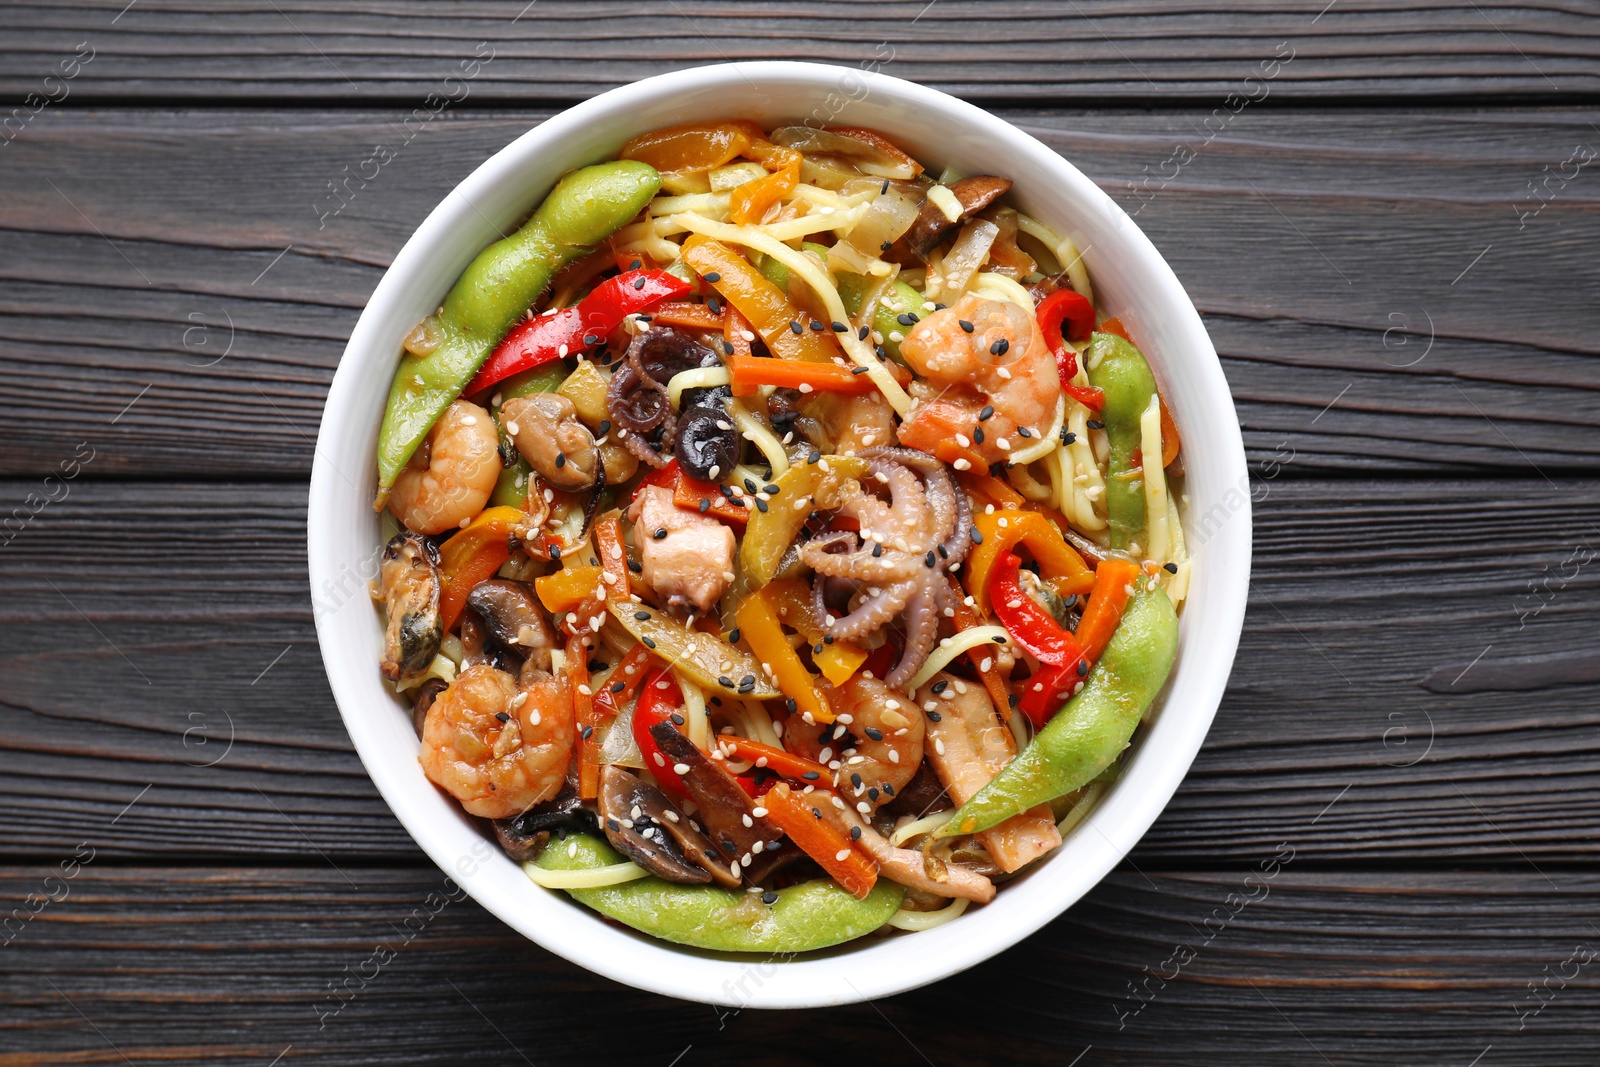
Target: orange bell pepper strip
{"points": [[734, 327], [1106, 603], [769, 309], [472, 556], [988, 489], [1001, 531], [748, 203], [965, 619], [565, 589], [761, 630], [683, 313], [837, 660], [689, 148], [878, 141], [785, 764], [820, 839], [748, 373]]}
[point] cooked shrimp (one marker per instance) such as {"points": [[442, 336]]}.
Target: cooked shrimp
{"points": [[450, 477], [1002, 363], [496, 746], [876, 740]]}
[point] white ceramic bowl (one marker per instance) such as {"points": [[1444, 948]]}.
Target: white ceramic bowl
{"points": [[1131, 280]]}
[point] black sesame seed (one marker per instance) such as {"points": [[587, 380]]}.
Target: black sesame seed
{"points": [[977, 434], [1083, 667], [944, 553], [617, 687], [590, 339], [817, 326], [875, 733], [636, 264], [770, 489], [858, 370], [761, 505], [790, 705], [1096, 424], [604, 427], [1068, 437], [888, 789], [1170, 568], [839, 327], [862, 334], [647, 642], [828, 640], [940, 686], [810, 776], [561, 459], [613, 825], [855, 833], [886, 245], [935, 716], [1023, 431], [815, 455], [855, 779], [750, 688], [555, 553], [999, 640], [928, 560], [596, 665], [642, 616], [724, 681], [588, 732], [727, 346], [714, 305], [1013, 700], [769, 898], [677, 720], [660, 533], [816, 649], [965, 325], [750, 486], [733, 636], [705, 505], [638, 283], [502, 716], [987, 413], [939, 307], [977, 538], [796, 327], [1000, 347], [635, 566], [906, 318], [885, 187], [713, 276], [748, 679], [872, 794], [877, 550]]}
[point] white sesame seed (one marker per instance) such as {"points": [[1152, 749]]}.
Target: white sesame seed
{"points": [[938, 745], [747, 820], [805, 387], [842, 855], [680, 768]]}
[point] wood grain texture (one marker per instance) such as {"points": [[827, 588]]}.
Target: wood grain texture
{"points": [[1088, 50], [1386, 290], [1380, 705], [238, 965]]}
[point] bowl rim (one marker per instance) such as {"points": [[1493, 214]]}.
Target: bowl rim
{"points": [[811, 980]]}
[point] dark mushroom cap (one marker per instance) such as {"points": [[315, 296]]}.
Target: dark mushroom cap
{"points": [[524, 836], [514, 618], [974, 194], [708, 445], [726, 811], [643, 825], [423, 699]]}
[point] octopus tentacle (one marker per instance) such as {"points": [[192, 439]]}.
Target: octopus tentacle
{"points": [[946, 501], [922, 630], [878, 606]]}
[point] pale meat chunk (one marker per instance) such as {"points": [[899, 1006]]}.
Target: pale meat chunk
{"points": [[686, 556], [973, 746]]}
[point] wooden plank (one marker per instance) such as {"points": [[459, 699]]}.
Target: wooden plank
{"points": [[1094, 50], [219, 298], [1380, 705], [228, 966]]}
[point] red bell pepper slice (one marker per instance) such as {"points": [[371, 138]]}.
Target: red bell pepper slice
{"points": [[657, 704], [1030, 626], [541, 339], [1065, 308]]}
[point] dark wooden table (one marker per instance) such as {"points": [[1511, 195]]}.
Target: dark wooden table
{"points": [[1388, 214]]}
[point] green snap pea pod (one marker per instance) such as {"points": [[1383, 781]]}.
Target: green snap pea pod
{"points": [[886, 321], [1118, 369], [584, 208], [1086, 736], [807, 916]]}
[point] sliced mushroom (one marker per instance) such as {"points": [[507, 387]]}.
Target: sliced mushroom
{"points": [[514, 618], [642, 824], [974, 194], [708, 445], [524, 836], [726, 811], [547, 431], [426, 693], [410, 581]]}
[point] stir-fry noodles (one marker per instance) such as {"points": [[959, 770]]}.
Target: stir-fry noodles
{"points": [[783, 548]]}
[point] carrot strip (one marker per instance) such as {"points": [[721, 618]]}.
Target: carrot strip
{"points": [[778, 760], [750, 372], [820, 839], [1106, 601], [685, 313]]}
